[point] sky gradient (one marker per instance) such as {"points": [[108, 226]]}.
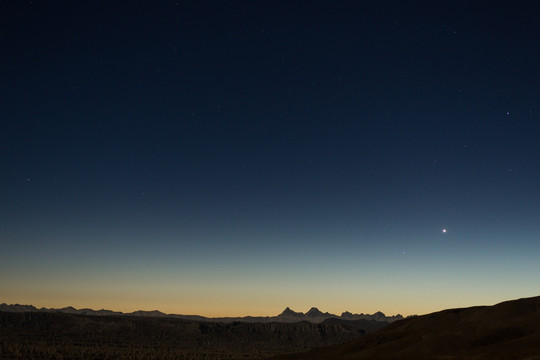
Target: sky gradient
{"points": [[237, 158]]}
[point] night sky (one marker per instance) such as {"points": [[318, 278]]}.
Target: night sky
{"points": [[234, 158]]}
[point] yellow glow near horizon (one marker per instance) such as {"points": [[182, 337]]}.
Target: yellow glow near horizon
{"points": [[228, 305]]}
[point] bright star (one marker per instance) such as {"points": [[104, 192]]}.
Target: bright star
{"points": [[444, 231]]}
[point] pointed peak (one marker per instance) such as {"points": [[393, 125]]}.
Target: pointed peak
{"points": [[314, 312], [288, 311]]}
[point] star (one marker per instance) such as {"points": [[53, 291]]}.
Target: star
{"points": [[443, 231]]}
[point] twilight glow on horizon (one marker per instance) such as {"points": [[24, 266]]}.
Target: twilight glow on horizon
{"points": [[232, 159]]}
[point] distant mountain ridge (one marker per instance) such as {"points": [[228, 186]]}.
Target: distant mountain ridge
{"points": [[314, 315]]}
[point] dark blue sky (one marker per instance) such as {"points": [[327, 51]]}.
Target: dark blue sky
{"points": [[226, 158]]}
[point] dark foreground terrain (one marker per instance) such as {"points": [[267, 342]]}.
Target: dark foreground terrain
{"points": [[42, 335], [509, 330]]}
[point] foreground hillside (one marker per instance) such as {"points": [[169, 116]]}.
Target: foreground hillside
{"points": [[42, 335], [509, 330]]}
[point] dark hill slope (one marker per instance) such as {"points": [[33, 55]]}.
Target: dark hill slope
{"points": [[509, 330]]}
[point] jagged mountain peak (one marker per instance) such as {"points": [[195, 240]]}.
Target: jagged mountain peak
{"points": [[289, 312], [314, 315], [314, 312]]}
